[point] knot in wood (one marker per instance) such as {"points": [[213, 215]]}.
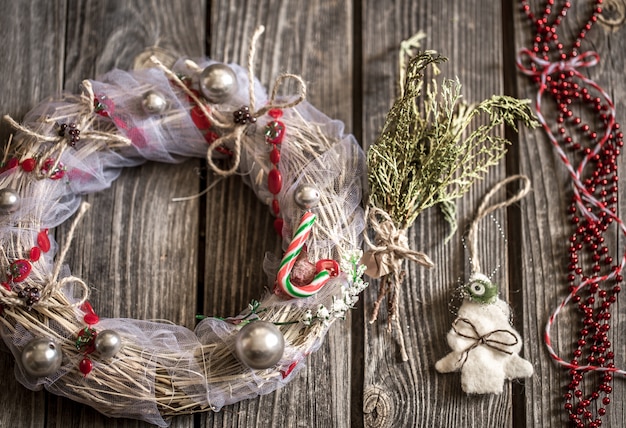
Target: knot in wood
{"points": [[613, 14], [377, 407]]}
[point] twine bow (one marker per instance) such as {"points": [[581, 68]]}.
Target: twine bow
{"points": [[496, 339], [235, 132], [546, 68], [390, 247]]}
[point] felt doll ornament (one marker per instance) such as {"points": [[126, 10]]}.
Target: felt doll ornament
{"points": [[484, 345]]}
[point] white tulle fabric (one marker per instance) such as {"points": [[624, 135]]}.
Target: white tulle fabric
{"points": [[315, 150]]}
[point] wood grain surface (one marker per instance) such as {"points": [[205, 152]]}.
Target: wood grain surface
{"points": [[147, 257]]}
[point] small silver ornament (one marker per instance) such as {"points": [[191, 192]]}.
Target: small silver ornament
{"points": [[108, 343], [9, 200], [154, 102], [259, 345], [41, 357], [218, 82], [306, 196]]}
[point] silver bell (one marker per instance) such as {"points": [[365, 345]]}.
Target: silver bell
{"points": [[154, 102], [41, 357], [306, 196], [9, 200], [108, 343], [218, 82], [259, 345]]}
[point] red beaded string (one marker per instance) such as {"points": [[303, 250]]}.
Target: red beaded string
{"points": [[594, 276], [274, 133]]}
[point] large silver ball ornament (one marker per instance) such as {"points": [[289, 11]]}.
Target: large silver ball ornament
{"points": [[218, 82], [41, 357], [259, 345], [108, 343], [154, 102], [306, 196], [9, 200]]}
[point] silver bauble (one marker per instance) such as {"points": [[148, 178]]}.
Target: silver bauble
{"points": [[41, 357], [218, 82], [154, 102], [108, 343], [9, 200], [259, 345], [306, 196]]}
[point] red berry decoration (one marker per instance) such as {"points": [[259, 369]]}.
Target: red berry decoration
{"points": [[274, 181], [85, 340], [274, 132], [19, 270], [29, 164], [90, 316], [57, 173], [35, 253], [43, 241], [199, 119], [85, 366]]}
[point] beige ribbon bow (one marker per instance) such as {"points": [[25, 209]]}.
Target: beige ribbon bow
{"points": [[390, 247]]}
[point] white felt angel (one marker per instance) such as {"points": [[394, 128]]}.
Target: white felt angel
{"points": [[484, 345]]}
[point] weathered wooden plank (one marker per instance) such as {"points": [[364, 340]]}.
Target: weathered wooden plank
{"points": [[312, 39], [413, 393], [27, 50], [546, 225], [136, 248]]}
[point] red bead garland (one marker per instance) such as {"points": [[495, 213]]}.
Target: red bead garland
{"points": [[593, 276], [274, 134]]}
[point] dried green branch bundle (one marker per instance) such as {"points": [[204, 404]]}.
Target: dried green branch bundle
{"points": [[425, 157]]}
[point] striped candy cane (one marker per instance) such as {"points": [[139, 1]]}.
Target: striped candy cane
{"points": [[283, 279]]}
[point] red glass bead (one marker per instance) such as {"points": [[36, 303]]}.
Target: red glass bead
{"points": [[275, 207], [274, 132], [57, 173], [85, 340], [90, 316], [19, 270], [29, 164], [43, 241], [275, 156], [199, 119], [34, 255], [274, 181], [606, 401], [85, 366], [210, 137], [91, 319], [276, 113], [278, 226], [327, 264]]}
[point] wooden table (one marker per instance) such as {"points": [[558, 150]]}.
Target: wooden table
{"points": [[148, 258]]}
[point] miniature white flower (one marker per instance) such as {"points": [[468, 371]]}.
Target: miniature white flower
{"points": [[339, 308], [307, 318], [323, 313]]}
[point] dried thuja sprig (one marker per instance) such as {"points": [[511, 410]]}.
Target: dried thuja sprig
{"points": [[426, 155], [423, 158]]}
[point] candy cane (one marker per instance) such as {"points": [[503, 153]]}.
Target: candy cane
{"points": [[283, 278]]}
